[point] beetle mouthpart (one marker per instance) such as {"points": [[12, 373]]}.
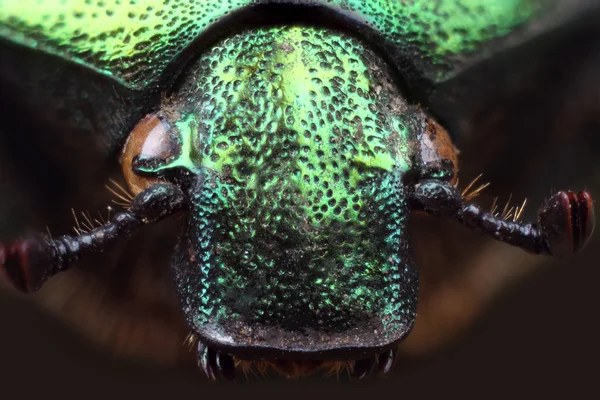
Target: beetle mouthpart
{"points": [[293, 369], [386, 361], [215, 364], [568, 222], [365, 367]]}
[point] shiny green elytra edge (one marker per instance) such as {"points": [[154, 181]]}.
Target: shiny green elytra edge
{"points": [[299, 142], [134, 41]]}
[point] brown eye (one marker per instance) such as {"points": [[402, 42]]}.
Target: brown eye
{"points": [[438, 152], [150, 139]]}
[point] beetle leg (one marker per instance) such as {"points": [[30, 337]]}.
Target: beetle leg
{"points": [[565, 224], [28, 263]]}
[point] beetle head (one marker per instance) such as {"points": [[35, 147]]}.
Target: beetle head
{"points": [[296, 149]]}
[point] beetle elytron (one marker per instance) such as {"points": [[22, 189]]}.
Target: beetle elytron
{"points": [[284, 133]]}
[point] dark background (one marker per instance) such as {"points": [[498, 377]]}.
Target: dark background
{"points": [[539, 340], [529, 119]]}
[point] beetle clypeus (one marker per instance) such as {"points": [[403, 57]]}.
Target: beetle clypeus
{"points": [[294, 152]]}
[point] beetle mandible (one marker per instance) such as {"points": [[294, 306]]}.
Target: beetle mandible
{"points": [[296, 155]]}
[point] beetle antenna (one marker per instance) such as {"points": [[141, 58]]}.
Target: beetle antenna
{"points": [[77, 228], [519, 211], [471, 184], [506, 212], [476, 192], [123, 190], [29, 262], [494, 206], [469, 195], [100, 220], [88, 224], [564, 226], [121, 193]]}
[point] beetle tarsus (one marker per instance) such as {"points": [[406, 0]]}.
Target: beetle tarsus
{"points": [[564, 226], [28, 263], [215, 364]]}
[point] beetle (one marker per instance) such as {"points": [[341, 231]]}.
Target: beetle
{"points": [[295, 151]]}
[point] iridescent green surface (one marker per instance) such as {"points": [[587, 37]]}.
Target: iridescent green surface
{"points": [[296, 235], [135, 40]]}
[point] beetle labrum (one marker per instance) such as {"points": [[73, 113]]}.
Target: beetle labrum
{"points": [[296, 160]]}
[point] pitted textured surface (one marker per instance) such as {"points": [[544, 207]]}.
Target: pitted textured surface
{"points": [[135, 40], [296, 235]]}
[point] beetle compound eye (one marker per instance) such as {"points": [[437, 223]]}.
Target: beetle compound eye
{"points": [[150, 146], [438, 154]]}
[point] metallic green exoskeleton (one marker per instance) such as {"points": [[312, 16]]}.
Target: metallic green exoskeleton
{"points": [[134, 41], [291, 137], [112, 60], [301, 143]]}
